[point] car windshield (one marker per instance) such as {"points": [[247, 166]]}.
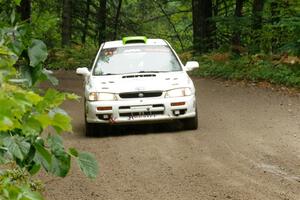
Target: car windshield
{"points": [[136, 59]]}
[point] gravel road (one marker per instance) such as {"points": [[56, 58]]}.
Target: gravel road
{"points": [[247, 147]]}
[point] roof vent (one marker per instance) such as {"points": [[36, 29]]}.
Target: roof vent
{"points": [[134, 40]]}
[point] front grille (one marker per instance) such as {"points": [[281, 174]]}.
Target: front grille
{"points": [[129, 95]]}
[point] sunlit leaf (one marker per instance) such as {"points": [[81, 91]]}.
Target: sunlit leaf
{"points": [[61, 122]]}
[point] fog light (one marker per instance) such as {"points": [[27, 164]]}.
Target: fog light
{"points": [[104, 108], [178, 104], [176, 112], [106, 116]]}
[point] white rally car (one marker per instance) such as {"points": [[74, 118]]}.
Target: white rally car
{"points": [[138, 80]]}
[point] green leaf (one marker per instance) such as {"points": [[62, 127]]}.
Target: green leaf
{"points": [[37, 52], [24, 146], [32, 127], [33, 97], [61, 161], [13, 17], [3, 135], [49, 76], [27, 194], [44, 119], [26, 74], [35, 168], [42, 156], [73, 152], [13, 148], [5, 123], [17, 2], [17, 146], [61, 122], [3, 159], [52, 99], [88, 164], [72, 96], [55, 142]]}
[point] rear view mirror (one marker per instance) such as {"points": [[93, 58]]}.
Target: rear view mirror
{"points": [[82, 71], [190, 65]]}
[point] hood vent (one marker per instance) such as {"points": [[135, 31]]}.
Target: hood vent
{"points": [[139, 75], [129, 95]]}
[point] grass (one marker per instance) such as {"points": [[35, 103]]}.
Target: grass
{"points": [[256, 68]]}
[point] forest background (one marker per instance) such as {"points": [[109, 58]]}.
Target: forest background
{"points": [[257, 40], [252, 40]]}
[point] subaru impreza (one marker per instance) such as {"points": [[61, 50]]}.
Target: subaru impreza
{"points": [[138, 80]]}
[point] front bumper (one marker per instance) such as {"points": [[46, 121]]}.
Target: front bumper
{"points": [[141, 110]]}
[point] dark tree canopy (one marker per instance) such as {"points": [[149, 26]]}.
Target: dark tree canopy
{"points": [[199, 25]]}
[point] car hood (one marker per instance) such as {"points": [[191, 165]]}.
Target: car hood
{"points": [[139, 82]]}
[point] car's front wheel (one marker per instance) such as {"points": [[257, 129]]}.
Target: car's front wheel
{"points": [[95, 129], [90, 129], [191, 123]]}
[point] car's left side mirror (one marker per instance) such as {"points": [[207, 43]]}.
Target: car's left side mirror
{"points": [[190, 65], [82, 71]]}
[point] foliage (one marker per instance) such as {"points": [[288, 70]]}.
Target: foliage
{"points": [[27, 113], [71, 57], [280, 25], [18, 184], [276, 69]]}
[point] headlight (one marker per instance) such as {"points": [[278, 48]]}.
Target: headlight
{"points": [[180, 92], [101, 96]]}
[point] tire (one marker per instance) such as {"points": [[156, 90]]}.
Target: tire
{"points": [[95, 129], [90, 129], [191, 123]]}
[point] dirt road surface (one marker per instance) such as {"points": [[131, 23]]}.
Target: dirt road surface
{"points": [[247, 147]]}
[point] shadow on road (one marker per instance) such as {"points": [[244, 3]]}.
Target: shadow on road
{"points": [[140, 129]]}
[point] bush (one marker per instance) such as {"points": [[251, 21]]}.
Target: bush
{"points": [[283, 69], [26, 113], [72, 57]]}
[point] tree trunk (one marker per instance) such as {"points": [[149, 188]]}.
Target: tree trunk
{"points": [[25, 10], [202, 26], [275, 18], [236, 38], [117, 19], [66, 32], [86, 22], [257, 9], [101, 18]]}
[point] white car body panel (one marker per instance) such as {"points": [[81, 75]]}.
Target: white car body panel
{"points": [[119, 83]]}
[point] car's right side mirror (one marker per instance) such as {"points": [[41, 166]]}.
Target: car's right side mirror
{"points": [[82, 71], [190, 65]]}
